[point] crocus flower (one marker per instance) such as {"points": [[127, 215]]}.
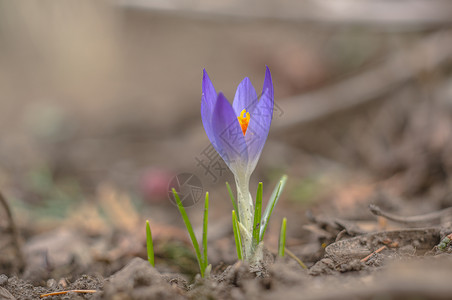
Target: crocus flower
{"points": [[238, 133]]}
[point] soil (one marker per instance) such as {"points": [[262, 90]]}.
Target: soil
{"points": [[387, 274], [408, 265]]}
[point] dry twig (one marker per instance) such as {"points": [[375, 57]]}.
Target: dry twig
{"points": [[14, 232], [434, 218], [370, 84], [294, 257], [389, 15], [373, 253], [70, 291]]}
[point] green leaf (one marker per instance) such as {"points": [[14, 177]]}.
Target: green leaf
{"points": [[204, 230], [282, 238], [271, 205], [257, 216], [231, 195], [149, 244], [237, 238], [190, 231]]}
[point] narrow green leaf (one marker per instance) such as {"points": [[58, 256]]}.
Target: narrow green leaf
{"points": [[190, 231], [231, 195], [149, 244], [271, 205], [204, 230], [238, 240], [282, 238], [257, 216]]}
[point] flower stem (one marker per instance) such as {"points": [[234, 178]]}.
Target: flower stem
{"points": [[245, 210]]}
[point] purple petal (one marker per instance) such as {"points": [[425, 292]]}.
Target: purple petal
{"points": [[230, 142], [268, 83], [206, 116], [208, 91], [258, 128], [208, 100], [245, 97]]}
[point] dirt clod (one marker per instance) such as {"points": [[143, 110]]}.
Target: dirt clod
{"points": [[138, 280]]}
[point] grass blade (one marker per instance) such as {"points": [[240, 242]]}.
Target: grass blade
{"points": [[238, 240], [149, 244], [231, 195], [190, 231], [271, 205], [282, 238], [204, 230], [257, 216]]}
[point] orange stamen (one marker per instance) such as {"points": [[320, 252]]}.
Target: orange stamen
{"points": [[244, 121]]}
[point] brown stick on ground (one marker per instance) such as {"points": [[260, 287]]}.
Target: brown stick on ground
{"points": [[390, 74], [373, 253], [14, 232], [433, 218], [65, 292], [294, 257], [385, 15]]}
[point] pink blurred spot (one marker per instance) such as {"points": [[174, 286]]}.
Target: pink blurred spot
{"points": [[154, 185]]}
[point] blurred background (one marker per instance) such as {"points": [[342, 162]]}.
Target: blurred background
{"points": [[100, 109]]}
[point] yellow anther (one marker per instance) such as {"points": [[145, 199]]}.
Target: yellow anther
{"points": [[244, 121]]}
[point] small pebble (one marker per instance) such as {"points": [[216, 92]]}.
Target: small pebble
{"points": [[51, 283], [62, 283], [3, 279]]}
